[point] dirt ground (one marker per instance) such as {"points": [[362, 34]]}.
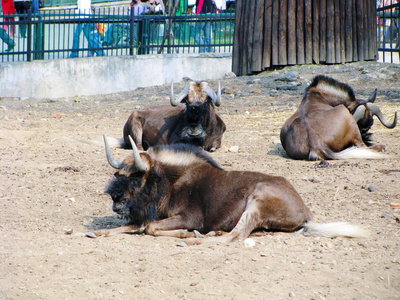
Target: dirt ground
{"points": [[51, 194]]}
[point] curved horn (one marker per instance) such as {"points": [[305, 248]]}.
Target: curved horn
{"points": [[373, 96], [377, 112], [215, 98], [218, 102], [182, 95], [139, 163], [111, 160], [359, 113]]}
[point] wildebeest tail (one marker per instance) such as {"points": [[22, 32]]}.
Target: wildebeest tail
{"points": [[336, 229], [355, 152]]}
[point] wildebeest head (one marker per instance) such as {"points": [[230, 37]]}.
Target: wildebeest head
{"points": [[136, 179], [364, 114], [200, 99]]}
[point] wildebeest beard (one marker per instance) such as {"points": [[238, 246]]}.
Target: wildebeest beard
{"points": [[194, 132], [139, 205]]}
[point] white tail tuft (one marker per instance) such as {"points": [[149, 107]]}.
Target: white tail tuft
{"points": [[336, 229], [356, 152]]}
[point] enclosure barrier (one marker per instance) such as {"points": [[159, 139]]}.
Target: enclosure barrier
{"points": [[388, 18], [112, 31], [277, 33]]}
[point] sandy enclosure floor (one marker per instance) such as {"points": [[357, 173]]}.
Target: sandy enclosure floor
{"points": [[51, 194]]}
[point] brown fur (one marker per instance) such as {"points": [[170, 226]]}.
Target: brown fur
{"points": [[164, 125], [191, 193], [323, 125]]}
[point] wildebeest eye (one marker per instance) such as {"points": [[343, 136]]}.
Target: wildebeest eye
{"points": [[135, 180]]}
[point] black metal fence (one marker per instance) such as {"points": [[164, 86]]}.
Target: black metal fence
{"points": [[388, 18], [115, 31], [54, 34]]}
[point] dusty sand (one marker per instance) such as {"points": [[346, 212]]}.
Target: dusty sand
{"points": [[51, 194]]}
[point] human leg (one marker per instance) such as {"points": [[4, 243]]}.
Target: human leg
{"points": [[93, 38], [6, 39], [75, 40], [196, 33], [22, 7], [208, 36]]}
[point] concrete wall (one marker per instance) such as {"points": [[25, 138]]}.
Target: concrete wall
{"points": [[102, 75]]}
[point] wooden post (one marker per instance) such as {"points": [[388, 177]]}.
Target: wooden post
{"points": [[308, 30], [275, 21], [256, 55], [330, 32], [315, 31], [300, 32], [291, 32], [349, 30], [322, 31], [360, 29], [282, 33], [266, 60]]}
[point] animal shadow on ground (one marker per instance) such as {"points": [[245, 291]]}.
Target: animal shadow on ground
{"points": [[279, 151], [107, 222]]}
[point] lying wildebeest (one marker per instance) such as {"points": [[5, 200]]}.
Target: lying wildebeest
{"points": [[195, 123], [324, 127], [179, 191]]}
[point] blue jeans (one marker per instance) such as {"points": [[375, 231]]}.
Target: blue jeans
{"points": [[92, 37], [205, 27]]}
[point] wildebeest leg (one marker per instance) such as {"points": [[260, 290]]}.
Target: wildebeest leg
{"points": [[118, 230], [174, 227]]}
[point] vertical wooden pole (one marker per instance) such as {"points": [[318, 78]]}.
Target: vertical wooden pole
{"points": [[322, 31], [291, 32], [257, 41], [282, 33], [315, 30], [267, 45], [300, 32], [275, 21], [330, 32], [349, 30], [308, 30]]}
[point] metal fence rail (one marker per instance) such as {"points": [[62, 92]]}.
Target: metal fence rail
{"points": [[111, 31], [388, 18]]}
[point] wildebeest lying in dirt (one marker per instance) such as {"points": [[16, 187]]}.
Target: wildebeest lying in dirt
{"points": [[177, 190], [325, 124], [195, 123]]}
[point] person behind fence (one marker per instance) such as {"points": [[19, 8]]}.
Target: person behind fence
{"points": [[89, 31], [202, 28], [8, 9], [154, 6], [22, 7], [116, 32]]}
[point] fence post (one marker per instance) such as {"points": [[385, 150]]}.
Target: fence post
{"points": [[38, 41], [132, 32], [29, 30]]}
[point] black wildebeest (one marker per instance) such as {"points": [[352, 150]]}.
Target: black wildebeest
{"points": [[324, 127], [176, 190], [195, 123]]}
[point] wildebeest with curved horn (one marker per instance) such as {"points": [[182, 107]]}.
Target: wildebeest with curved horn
{"points": [[195, 123], [180, 191], [324, 127]]}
